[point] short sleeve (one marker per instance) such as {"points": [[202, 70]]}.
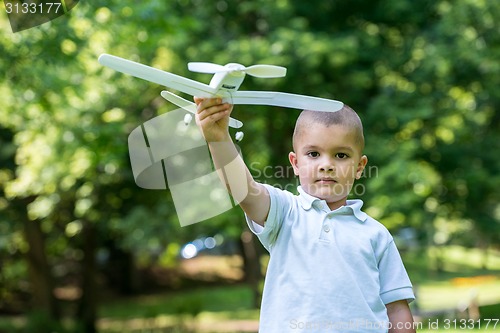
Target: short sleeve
{"points": [[278, 204], [395, 284]]}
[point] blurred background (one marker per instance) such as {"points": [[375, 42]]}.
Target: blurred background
{"points": [[83, 249]]}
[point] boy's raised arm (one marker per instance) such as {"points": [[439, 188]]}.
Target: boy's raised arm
{"points": [[212, 118]]}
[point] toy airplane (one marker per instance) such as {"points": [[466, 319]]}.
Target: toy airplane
{"points": [[225, 84]]}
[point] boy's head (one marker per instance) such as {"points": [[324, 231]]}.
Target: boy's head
{"points": [[328, 153], [346, 117]]}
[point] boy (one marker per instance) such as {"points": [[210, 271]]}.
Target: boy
{"points": [[332, 268]]}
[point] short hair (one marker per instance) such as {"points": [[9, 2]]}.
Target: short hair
{"points": [[345, 116]]}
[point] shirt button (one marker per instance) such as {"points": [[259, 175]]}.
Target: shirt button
{"points": [[326, 228]]}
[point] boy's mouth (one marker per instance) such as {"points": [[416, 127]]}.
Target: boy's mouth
{"points": [[326, 180]]}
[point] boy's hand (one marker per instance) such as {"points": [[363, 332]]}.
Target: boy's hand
{"points": [[212, 117]]}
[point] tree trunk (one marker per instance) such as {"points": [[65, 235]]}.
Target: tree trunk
{"points": [[121, 273], [251, 264], [87, 309], [484, 244], [41, 279]]}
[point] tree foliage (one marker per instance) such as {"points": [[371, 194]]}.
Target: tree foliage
{"points": [[422, 75]]}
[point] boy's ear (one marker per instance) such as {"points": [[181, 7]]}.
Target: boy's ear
{"points": [[361, 166], [293, 161]]}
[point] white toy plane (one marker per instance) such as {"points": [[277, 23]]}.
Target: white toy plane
{"points": [[224, 84]]}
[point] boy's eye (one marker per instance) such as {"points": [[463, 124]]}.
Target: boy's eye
{"points": [[313, 154], [342, 155]]}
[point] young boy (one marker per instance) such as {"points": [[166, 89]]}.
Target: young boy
{"points": [[332, 268]]}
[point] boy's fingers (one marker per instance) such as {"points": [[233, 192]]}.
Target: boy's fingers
{"points": [[218, 116], [212, 110], [198, 100], [209, 102], [209, 106], [205, 103]]}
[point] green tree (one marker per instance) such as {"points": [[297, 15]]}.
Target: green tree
{"points": [[422, 75]]}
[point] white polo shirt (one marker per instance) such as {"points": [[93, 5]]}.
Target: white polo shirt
{"points": [[329, 271]]}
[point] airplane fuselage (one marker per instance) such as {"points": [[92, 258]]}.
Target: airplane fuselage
{"points": [[228, 81]]}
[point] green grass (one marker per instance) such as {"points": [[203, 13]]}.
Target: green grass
{"points": [[457, 283], [167, 310], [443, 290], [436, 325], [457, 262], [434, 291], [443, 295], [235, 299]]}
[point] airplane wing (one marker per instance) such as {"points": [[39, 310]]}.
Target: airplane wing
{"points": [[191, 107], [285, 100], [196, 88], [155, 75]]}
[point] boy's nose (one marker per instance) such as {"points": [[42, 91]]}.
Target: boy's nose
{"points": [[326, 166]]}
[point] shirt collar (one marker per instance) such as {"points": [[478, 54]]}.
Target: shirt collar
{"points": [[352, 206]]}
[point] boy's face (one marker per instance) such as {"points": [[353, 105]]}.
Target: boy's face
{"points": [[327, 160]]}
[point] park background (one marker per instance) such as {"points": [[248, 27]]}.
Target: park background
{"points": [[84, 249]]}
